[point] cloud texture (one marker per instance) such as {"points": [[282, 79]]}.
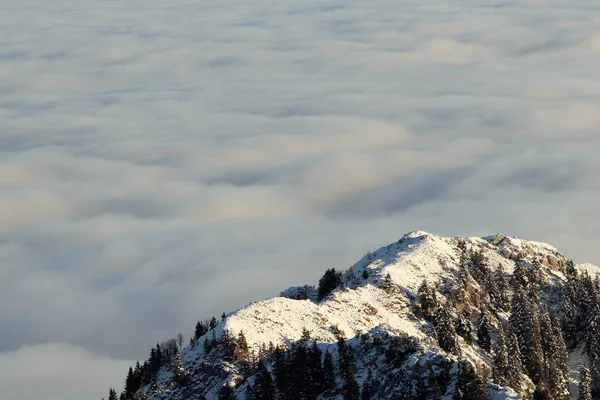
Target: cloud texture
{"points": [[162, 162]]}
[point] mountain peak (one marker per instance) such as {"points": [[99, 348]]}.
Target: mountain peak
{"points": [[377, 297]]}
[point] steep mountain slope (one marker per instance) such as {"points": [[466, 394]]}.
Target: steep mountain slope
{"points": [[377, 313]]}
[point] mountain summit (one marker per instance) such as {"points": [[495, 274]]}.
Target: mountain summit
{"points": [[425, 317]]}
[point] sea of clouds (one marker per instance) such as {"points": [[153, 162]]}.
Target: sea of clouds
{"points": [[165, 161]]}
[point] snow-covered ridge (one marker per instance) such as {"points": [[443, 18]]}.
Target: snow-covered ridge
{"points": [[377, 295], [362, 305]]}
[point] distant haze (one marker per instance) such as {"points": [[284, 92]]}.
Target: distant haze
{"points": [[165, 161]]}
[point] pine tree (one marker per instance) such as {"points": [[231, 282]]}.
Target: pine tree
{"points": [[368, 390], [469, 385], [464, 254], [546, 342], [570, 270], [328, 282], [229, 345], [534, 281], [280, 370], [112, 394], [201, 329], [560, 373], [226, 393], [427, 299], [446, 335], [436, 392], [352, 390], [464, 328], [305, 335], [179, 372], [213, 323], [586, 302], [481, 272], [585, 389], [502, 286], [569, 311], [515, 360], [141, 394], [242, 346], [328, 373], [593, 351], [344, 356], [519, 277], [483, 332], [501, 370], [541, 392], [524, 323], [263, 388], [314, 369], [130, 386]]}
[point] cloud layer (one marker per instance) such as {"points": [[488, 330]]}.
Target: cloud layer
{"points": [[162, 162]]}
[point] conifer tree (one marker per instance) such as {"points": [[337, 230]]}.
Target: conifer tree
{"points": [[280, 371], [344, 357], [464, 328], [314, 369], [368, 390], [585, 388], [586, 302], [179, 372], [328, 372], [242, 346], [464, 254], [593, 351], [502, 286], [201, 329], [213, 323], [501, 370], [352, 390], [436, 391], [533, 281], [469, 385], [525, 325], [226, 393], [541, 392], [263, 388], [112, 394], [519, 277], [427, 299], [328, 282], [546, 341], [305, 335], [570, 270], [130, 385], [515, 360], [446, 335], [141, 394], [481, 272], [569, 312], [483, 332], [560, 373], [229, 345]]}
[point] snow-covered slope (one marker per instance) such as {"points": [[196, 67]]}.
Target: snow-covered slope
{"points": [[363, 305], [375, 296]]}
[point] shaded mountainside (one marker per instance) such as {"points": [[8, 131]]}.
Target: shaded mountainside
{"points": [[425, 317]]}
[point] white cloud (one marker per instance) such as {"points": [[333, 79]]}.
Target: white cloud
{"points": [[158, 154], [58, 371]]}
